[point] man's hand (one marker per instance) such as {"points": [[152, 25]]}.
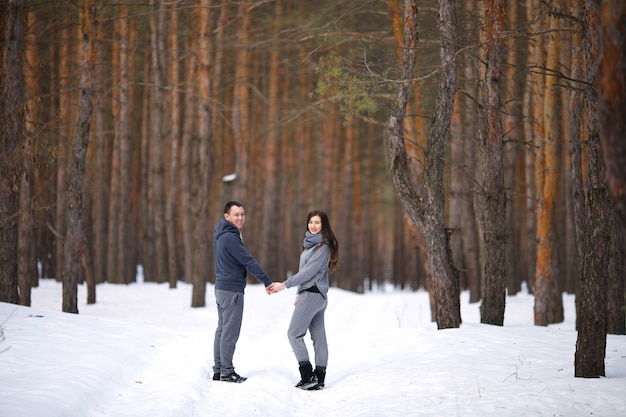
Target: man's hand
{"points": [[275, 287]]}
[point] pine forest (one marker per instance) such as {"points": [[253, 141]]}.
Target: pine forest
{"points": [[469, 145]]}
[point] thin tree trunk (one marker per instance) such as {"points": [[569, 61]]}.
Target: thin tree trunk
{"points": [[64, 148], [241, 105], [75, 236], [114, 268], [124, 270], [532, 111], [492, 189], [270, 210], [27, 262], [186, 163], [511, 103], [173, 169], [575, 149], [202, 173], [469, 217], [148, 246], [99, 195], [157, 140]]}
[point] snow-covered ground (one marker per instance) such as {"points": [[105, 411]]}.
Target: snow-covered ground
{"points": [[142, 351]]}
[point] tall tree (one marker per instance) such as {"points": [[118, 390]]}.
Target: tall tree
{"points": [[547, 174], [11, 131], [427, 212], [66, 113], [612, 107], [74, 242], [492, 180], [612, 84], [157, 137], [270, 194], [592, 290], [202, 168], [119, 208], [172, 188], [241, 104], [27, 260]]}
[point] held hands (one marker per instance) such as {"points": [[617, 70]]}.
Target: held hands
{"points": [[275, 287]]}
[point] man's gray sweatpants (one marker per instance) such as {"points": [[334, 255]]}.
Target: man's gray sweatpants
{"points": [[309, 315], [229, 318]]}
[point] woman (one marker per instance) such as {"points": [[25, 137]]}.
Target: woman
{"points": [[319, 258]]}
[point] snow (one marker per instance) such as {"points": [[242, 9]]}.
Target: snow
{"points": [[229, 177], [142, 351]]}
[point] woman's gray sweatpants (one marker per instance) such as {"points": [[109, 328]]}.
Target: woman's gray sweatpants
{"points": [[309, 315], [229, 318]]}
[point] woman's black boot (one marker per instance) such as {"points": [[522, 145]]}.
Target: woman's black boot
{"points": [[308, 378], [320, 375]]}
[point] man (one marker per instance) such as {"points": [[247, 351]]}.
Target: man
{"points": [[232, 262]]}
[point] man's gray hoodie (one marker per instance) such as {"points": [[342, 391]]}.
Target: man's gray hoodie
{"points": [[232, 260]]}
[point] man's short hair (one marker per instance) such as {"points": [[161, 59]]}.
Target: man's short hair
{"points": [[230, 204]]}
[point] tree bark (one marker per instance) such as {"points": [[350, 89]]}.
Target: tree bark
{"points": [[75, 236], [202, 173], [174, 134], [241, 104], [492, 181], [546, 172], [427, 213], [27, 260], [270, 210], [612, 84], [12, 123], [612, 108], [592, 320]]}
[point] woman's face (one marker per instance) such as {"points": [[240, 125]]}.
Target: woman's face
{"points": [[315, 225]]}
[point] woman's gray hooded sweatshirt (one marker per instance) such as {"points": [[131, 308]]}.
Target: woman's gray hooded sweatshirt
{"points": [[313, 268]]}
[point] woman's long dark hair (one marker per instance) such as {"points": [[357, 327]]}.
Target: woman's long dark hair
{"points": [[328, 237]]}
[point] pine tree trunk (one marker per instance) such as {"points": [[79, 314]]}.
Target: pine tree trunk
{"points": [[173, 168], [512, 148], [186, 163], [123, 231], [469, 216], [114, 266], [546, 280], [157, 139], [612, 84], [592, 320], [492, 181], [271, 245], [428, 213], [12, 126], [202, 173], [27, 261], [75, 236], [241, 105], [612, 107], [99, 195], [66, 118]]}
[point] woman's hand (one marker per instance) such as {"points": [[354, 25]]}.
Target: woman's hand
{"points": [[275, 287]]}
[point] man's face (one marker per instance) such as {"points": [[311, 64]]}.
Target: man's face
{"points": [[237, 216]]}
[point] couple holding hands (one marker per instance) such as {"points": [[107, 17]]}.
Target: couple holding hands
{"points": [[232, 263]]}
